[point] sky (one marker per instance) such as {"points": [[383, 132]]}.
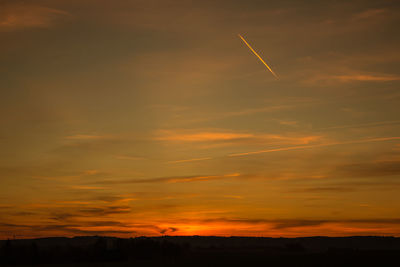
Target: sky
{"points": [[132, 118]]}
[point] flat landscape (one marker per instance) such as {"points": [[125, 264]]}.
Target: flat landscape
{"points": [[201, 251]]}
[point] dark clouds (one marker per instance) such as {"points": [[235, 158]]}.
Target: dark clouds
{"points": [[371, 169]]}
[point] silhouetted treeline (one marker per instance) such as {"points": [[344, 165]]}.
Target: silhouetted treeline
{"points": [[91, 249], [202, 251]]}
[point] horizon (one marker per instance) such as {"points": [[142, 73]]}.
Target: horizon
{"points": [[207, 118], [161, 236]]}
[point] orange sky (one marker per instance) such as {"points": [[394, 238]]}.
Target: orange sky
{"points": [[130, 118]]}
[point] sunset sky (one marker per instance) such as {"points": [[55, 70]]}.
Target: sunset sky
{"points": [[146, 117]]}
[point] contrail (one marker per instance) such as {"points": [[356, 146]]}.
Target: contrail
{"points": [[370, 124], [255, 53], [382, 139], [360, 141], [187, 160]]}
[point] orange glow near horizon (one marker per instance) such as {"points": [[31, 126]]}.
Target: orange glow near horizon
{"points": [[267, 229]]}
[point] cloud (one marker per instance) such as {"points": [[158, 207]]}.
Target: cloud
{"points": [[251, 111], [291, 223], [86, 137], [188, 160], [81, 228], [168, 230], [359, 141], [211, 226], [201, 136], [361, 125], [370, 169], [104, 211], [18, 16], [84, 187], [287, 123], [328, 189], [113, 198], [271, 150], [234, 196], [371, 14], [177, 179], [324, 78], [79, 213], [124, 157], [273, 106], [286, 227], [294, 223], [93, 145], [366, 78], [285, 224], [197, 136], [255, 140], [91, 172]]}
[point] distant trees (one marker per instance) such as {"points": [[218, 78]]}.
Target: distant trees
{"points": [[7, 253], [101, 250], [196, 251], [11, 254]]}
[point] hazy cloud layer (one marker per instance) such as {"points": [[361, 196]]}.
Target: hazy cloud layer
{"points": [[17, 15]]}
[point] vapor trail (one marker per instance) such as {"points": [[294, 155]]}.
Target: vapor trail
{"points": [[187, 160], [382, 139], [255, 53], [328, 144]]}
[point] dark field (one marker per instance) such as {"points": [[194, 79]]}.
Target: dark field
{"points": [[202, 251]]}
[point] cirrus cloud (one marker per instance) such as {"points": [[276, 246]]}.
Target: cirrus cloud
{"points": [[18, 16]]}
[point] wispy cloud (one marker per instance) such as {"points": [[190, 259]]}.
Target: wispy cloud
{"points": [[370, 14], [225, 136], [287, 123], [234, 196], [367, 78], [352, 185], [201, 136], [84, 187], [328, 189], [251, 111], [271, 106], [21, 15], [382, 139], [289, 223], [361, 125], [103, 211], [202, 178], [124, 157], [287, 227], [87, 137], [330, 76], [371, 169], [68, 229], [188, 160], [177, 179]]}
